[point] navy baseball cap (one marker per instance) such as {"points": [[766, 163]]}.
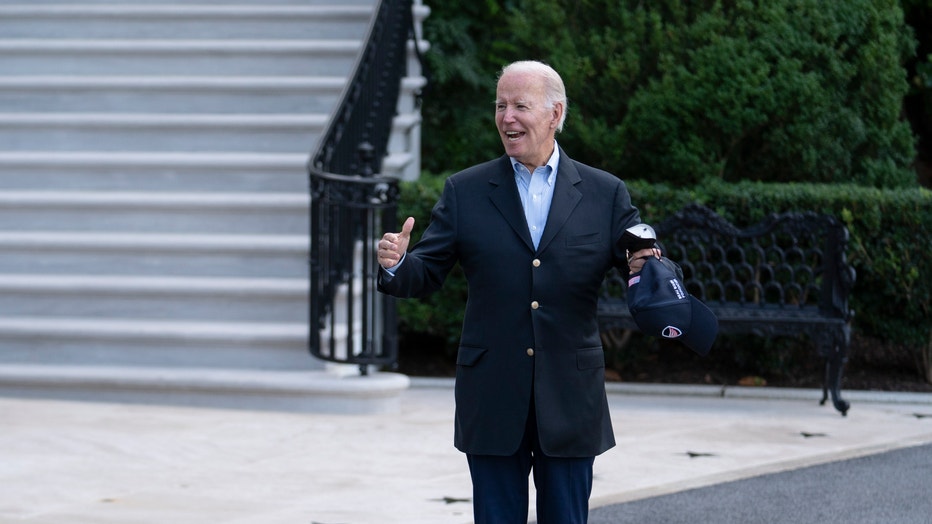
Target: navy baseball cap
{"points": [[662, 307]]}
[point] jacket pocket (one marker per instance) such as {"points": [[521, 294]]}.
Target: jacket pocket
{"points": [[582, 240], [468, 356], [590, 358]]}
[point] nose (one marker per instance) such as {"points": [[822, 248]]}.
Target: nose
{"points": [[508, 115]]}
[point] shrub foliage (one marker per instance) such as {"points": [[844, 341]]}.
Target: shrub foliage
{"points": [[678, 91]]}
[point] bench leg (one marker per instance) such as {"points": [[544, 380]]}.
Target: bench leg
{"points": [[834, 365]]}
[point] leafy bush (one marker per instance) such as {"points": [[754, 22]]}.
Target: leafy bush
{"points": [[458, 126], [747, 106], [675, 90]]}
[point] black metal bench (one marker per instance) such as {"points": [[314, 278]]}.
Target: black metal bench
{"points": [[787, 275]]}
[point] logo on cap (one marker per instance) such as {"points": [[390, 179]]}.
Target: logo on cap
{"points": [[677, 289], [671, 332]]}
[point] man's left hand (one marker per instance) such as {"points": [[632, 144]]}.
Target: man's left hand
{"points": [[636, 260]]}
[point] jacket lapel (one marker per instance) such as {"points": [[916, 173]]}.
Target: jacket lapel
{"points": [[565, 199], [504, 195]]}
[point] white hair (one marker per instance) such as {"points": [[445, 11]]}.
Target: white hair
{"points": [[554, 90]]}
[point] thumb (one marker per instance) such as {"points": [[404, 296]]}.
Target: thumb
{"points": [[407, 227]]}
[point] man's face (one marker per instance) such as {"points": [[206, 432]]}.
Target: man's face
{"points": [[524, 122]]}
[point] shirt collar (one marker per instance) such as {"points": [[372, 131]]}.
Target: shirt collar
{"points": [[553, 163]]}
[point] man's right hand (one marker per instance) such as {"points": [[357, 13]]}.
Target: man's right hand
{"points": [[394, 245]]}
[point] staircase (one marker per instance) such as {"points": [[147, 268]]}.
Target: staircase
{"points": [[153, 191]]}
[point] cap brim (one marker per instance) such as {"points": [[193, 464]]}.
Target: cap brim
{"points": [[703, 328]]}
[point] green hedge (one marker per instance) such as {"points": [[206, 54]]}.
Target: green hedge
{"points": [[680, 90], [890, 247], [757, 106]]}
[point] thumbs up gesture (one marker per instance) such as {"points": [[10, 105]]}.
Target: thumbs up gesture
{"points": [[394, 245]]}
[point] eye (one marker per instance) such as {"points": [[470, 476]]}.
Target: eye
{"points": [[500, 106]]}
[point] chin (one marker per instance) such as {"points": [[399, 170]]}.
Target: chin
{"points": [[513, 150]]}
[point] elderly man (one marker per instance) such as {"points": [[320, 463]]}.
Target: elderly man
{"points": [[535, 233]]}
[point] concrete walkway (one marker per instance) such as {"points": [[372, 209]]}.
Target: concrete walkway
{"points": [[101, 463]]}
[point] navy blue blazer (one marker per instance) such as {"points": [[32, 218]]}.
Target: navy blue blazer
{"points": [[530, 325]]}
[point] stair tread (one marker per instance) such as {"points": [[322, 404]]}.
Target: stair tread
{"points": [[192, 242], [125, 45], [17, 280], [151, 199], [156, 119], [147, 328], [226, 82], [187, 10], [150, 284], [160, 158], [208, 379]]}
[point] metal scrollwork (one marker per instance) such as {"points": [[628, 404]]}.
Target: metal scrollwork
{"points": [[351, 204]]}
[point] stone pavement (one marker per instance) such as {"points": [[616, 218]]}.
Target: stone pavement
{"points": [[101, 463]]}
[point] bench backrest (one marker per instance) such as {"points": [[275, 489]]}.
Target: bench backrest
{"points": [[787, 261]]}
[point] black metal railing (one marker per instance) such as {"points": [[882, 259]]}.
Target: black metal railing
{"points": [[352, 204]]}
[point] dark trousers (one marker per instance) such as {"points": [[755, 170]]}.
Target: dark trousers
{"points": [[500, 485]]}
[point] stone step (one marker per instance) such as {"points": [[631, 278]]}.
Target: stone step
{"points": [[155, 212], [85, 341], [91, 170], [171, 94], [181, 94], [199, 2], [164, 171], [315, 391], [154, 254], [160, 132], [154, 297], [184, 21], [276, 133], [36, 56]]}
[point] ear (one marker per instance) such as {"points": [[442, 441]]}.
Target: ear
{"points": [[556, 114]]}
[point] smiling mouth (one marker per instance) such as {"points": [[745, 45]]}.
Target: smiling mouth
{"points": [[513, 135]]}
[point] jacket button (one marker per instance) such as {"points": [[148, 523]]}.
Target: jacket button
{"points": [[536, 262], [530, 352], [534, 305]]}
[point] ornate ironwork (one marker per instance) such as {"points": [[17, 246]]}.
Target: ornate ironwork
{"points": [[351, 204]]}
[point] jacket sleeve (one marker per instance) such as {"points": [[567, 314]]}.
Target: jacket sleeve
{"points": [[624, 215]]}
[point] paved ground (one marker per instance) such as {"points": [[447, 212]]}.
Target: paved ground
{"points": [[102, 463], [889, 487]]}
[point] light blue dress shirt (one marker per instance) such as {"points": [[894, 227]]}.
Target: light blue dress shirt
{"points": [[536, 191]]}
